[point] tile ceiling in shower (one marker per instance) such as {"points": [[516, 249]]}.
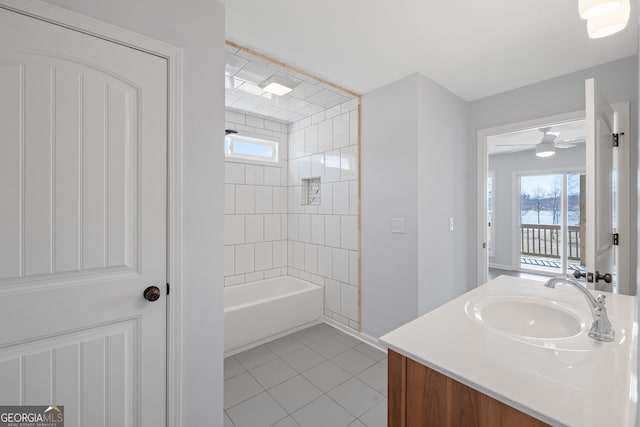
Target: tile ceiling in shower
{"points": [[245, 71]]}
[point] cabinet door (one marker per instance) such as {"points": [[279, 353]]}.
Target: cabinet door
{"points": [[420, 396]]}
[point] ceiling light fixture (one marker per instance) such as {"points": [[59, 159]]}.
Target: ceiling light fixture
{"points": [[547, 146], [545, 149], [591, 9], [610, 23], [277, 85]]}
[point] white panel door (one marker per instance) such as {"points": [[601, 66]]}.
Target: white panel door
{"points": [[599, 194], [82, 224]]}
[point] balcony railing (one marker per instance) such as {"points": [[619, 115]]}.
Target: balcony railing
{"points": [[544, 241]]}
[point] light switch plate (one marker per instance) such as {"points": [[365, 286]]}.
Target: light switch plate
{"points": [[397, 225]]}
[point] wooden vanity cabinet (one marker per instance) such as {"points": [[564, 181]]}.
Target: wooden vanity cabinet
{"points": [[420, 396]]}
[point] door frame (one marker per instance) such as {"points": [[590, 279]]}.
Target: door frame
{"points": [[482, 161], [174, 57]]}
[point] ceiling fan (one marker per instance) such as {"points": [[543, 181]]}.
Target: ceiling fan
{"points": [[547, 145]]}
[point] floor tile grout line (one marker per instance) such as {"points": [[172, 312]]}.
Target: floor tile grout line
{"points": [[229, 416], [248, 398], [280, 405], [316, 336]]}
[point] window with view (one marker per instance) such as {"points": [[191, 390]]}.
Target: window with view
{"points": [[249, 148]]}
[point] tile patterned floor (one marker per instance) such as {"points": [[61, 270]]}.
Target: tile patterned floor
{"points": [[316, 377]]}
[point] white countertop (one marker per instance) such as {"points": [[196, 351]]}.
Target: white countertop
{"points": [[574, 381]]}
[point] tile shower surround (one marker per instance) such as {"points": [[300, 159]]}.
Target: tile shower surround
{"points": [[319, 243], [255, 221]]}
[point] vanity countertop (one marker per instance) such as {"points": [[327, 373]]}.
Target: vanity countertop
{"points": [[574, 381]]}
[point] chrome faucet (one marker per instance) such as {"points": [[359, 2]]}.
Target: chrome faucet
{"points": [[601, 329]]}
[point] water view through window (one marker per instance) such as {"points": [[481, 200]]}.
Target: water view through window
{"points": [[551, 227]]}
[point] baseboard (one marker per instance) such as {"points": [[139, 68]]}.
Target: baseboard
{"points": [[501, 266], [367, 339]]}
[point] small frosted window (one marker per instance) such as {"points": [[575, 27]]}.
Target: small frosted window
{"points": [[248, 148]]}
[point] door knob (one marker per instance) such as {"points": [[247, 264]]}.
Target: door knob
{"points": [[606, 277], [152, 293], [578, 274]]}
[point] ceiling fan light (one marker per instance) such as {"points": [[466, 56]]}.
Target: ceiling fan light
{"points": [[545, 149], [591, 9], [611, 23]]}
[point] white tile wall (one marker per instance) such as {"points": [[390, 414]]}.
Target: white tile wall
{"points": [[325, 136], [263, 256], [304, 228], [341, 131], [332, 295], [254, 228], [311, 139], [255, 209], [311, 258], [353, 198], [341, 198], [353, 268], [271, 176], [279, 199], [233, 173], [317, 229], [229, 199], [340, 265], [252, 277], [349, 232], [298, 255], [229, 261], [332, 230], [264, 199], [254, 174], [349, 301], [349, 163], [280, 253], [233, 229], [245, 199], [332, 166], [268, 232], [325, 238], [245, 258], [272, 227], [326, 207], [325, 261]]}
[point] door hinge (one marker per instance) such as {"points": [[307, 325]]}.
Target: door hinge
{"points": [[616, 239], [167, 289], [616, 138]]}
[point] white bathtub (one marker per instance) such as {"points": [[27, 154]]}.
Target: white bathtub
{"points": [[257, 312]]}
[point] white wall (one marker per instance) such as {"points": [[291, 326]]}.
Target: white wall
{"points": [[197, 26], [443, 272], [414, 166], [389, 186], [618, 80], [505, 165]]}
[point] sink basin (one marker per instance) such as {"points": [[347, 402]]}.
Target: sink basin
{"points": [[527, 317]]}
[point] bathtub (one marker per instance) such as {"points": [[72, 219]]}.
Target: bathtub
{"points": [[258, 312]]}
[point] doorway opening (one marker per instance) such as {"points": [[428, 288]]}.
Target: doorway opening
{"points": [[532, 202]]}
